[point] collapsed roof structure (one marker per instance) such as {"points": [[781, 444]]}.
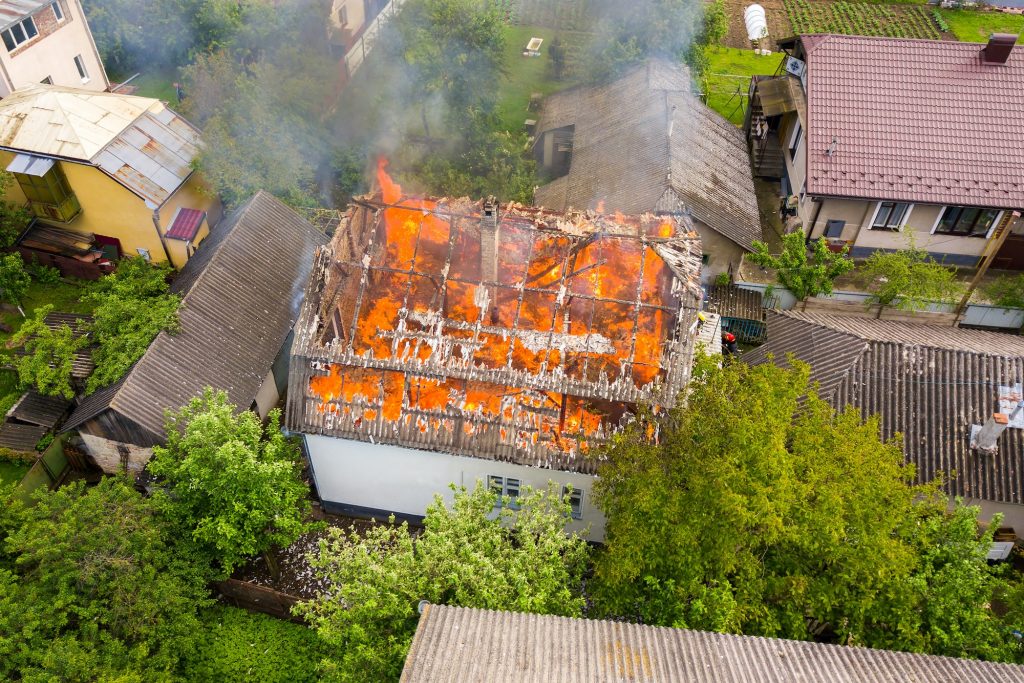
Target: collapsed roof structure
{"points": [[492, 330]]}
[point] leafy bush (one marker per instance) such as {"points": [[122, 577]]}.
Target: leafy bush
{"points": [[241, 646], [46, 275], [1006, 291], [48, 355]]}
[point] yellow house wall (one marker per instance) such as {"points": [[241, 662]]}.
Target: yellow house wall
{"points": [[193, 194], [111, 210]]}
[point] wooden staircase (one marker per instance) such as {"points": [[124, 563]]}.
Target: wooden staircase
{"points": [[765, 150]]}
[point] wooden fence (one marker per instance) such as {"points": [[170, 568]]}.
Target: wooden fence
{"points": [[258, 598]]}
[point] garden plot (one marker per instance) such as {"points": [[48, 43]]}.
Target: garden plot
{"points": [[862, 19]]}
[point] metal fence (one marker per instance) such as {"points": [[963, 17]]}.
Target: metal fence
{"points": [[359, 51]]}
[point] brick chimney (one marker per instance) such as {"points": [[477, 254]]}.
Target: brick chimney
{"points": [[998, 49], [985, 438]]}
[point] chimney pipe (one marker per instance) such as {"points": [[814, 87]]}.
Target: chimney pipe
{"points": [[489, 249], [985, 438], [999, 48]]}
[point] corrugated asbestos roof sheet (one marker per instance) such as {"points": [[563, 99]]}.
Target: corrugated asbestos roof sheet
{"points": [[915, 121], [241, 294], [37, 409], [926, 382], [461, 645], [622, 153], [138, 141]]}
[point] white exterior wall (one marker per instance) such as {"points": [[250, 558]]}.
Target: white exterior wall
{"points": [[405, 480], [267, 396], [107, 454], [53, 55], [720, 251]]}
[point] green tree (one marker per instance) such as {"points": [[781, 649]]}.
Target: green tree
{"points": [[466, 555], [1006, 291], [802, 275], [13, 217], [232, 487], [758, 510], [908, 279], [48, 355], [96, 592], [133, 305], [14, 280], [453, 49]]}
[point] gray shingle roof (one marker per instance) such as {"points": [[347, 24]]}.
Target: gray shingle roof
{"points": [[622, 152], [241, 294], [926, 382], [460, 645]]}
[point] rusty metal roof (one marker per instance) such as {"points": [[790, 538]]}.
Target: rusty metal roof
{"points": [[13, 11], [623, 154], [461, 645], [926, 382], [914, 121], [137, 141]]}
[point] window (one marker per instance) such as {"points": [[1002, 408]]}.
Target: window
{"points": [[21, 32], [343, 15], [575, 497], [705, 259], [834, 229], [505, 487], [966, 220], [80, 63], [49, 195], [794, 140], [58, 11], [890, 216], [144, 253]]}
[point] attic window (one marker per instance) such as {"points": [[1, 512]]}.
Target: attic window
{"points": [[22, 32]]}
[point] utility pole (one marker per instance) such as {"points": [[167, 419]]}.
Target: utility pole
{"points": [[994, 245]]}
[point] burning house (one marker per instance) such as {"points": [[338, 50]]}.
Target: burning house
{"points": [[449, 341]]}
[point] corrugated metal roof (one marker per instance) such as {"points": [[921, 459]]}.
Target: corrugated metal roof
{"points": [[460, 645], [185, 224], [928, 383], [915, 121], [241, 294], [622, 152], [136, 140], [35, 408], [13, 11]]}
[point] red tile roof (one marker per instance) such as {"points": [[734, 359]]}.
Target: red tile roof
{"points": [[914, 120], [186, 224]]}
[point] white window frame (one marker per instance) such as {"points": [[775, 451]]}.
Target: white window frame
{"points": [[144, 253], [82, 71], [903, 223], [58, 12], [504, 487], [577, 509], [795, 140], [988, 235], [23, 24]]}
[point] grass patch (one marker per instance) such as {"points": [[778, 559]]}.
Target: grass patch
{"points": [[526, 75], [975, 26], [158, 84], [730, 68], [66, 297], [238, 645], [12, 472]]}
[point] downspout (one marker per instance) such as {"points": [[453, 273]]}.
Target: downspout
{"points": [[160, 235], [814, 221]]}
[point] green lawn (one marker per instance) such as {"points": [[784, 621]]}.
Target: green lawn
{"points": [[66, 297], [12, 472], [158, 84], [975, 26], [526, 75], [729, 69]]}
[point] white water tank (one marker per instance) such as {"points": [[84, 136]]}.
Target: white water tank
{"points": [[757, 24]]}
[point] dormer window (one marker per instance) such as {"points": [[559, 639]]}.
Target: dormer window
{"points": [[22, 32]]}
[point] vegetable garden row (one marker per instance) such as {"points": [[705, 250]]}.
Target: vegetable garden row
{"points": [[857, 18]]}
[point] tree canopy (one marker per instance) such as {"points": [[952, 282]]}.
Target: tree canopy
{"points": [[232, 487], [762, 512], [466, 555], [133, 305], [805, 276], [91, 590], [14, 279], [909, 279], [48, 355]]}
